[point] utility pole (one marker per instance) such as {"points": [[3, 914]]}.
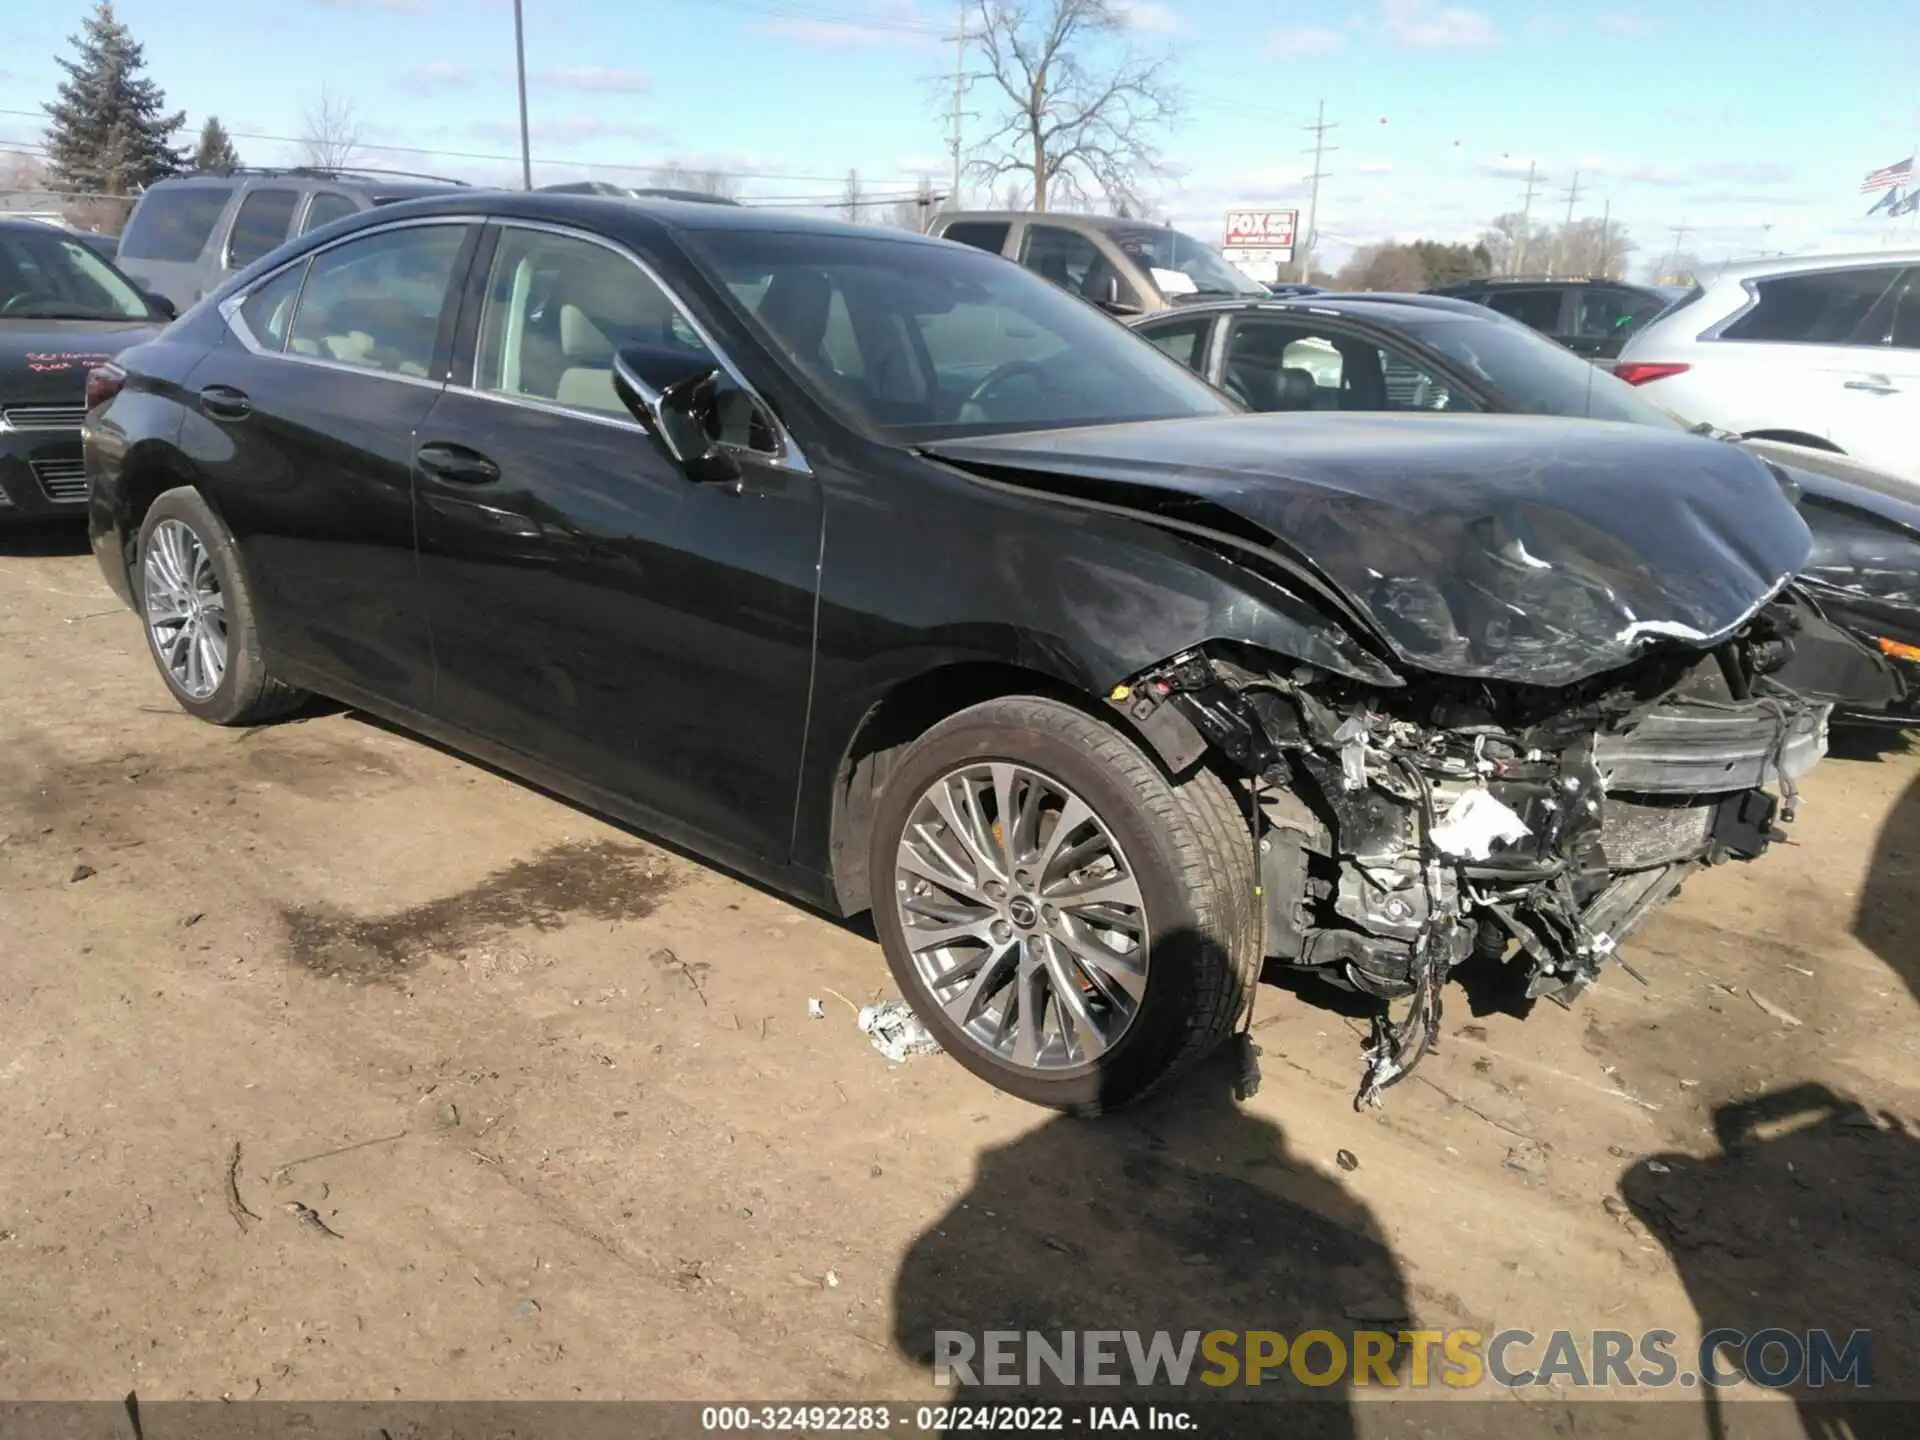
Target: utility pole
{"points": [[1321, 149], [1680, 232], [1606, 235], [520, 67], [1526, 221], [954, 143], [1559, 250]]}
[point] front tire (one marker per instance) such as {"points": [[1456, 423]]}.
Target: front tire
{"points": [[1073, 926], [199, 617]]}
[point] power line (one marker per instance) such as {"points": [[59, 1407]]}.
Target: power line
{"points": [[515, 159]]}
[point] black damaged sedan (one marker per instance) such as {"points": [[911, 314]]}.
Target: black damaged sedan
{"points": [[885, 572], [63, 310]]}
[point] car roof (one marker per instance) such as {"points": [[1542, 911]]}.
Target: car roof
{"points": [[1068, 219], [377, 182], [640, 212], [1793, 265], [1384, 303]]}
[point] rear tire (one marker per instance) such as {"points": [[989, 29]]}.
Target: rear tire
{"points": [[198, 614], [1186, 845]]}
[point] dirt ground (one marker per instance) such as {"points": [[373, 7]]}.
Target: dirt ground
{"points": [[526, 1106]]}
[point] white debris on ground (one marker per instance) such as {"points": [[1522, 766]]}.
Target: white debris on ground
{"points": [[896, 1031]]}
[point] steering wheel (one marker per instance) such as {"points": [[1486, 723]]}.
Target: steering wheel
{"points": [[34, 297], [1013, 369]]}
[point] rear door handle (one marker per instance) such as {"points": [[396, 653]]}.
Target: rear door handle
{"points": [[1873, 385], [456, 463], [223, 402]]}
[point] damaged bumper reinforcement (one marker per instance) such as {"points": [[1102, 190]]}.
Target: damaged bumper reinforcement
{"points": [[1403, 832]]}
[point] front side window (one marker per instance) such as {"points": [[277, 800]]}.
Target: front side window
{"points": [[1536, 309], [1903, 325], [950, 341], [1074, 263], [326, 207], [1290, 365], [988, 235], [1531, 374], [260, 226], [557, 310], [1821, 307], [50, 277], [375, 302], [173, 222], [268, 311]]}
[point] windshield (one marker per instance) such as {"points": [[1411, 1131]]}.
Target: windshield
{"points": [[50, 277], [915, 341], [1181, 265], [1531, 374]]}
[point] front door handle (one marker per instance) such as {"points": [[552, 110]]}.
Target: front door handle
{"points": [[1873, 385], [223, 402], [456, 463]]}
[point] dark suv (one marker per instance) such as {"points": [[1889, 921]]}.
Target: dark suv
{"points": [[1590, 317], [888, 573], [189, 234]]}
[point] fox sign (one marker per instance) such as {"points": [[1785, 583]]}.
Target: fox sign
{"points": [[1259, 242]]}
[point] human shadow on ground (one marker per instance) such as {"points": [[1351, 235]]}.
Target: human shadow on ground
{"points": [[1808, 1219], [1186, 1213], [1887, 920]]}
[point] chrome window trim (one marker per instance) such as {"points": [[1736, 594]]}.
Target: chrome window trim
{"points": [[1751, 284], [789, 457]]}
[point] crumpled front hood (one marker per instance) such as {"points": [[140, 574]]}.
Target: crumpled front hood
{"points": [[1515, 548]]}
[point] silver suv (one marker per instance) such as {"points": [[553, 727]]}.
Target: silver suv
{"points": [[1126, 267], [188, 234]]}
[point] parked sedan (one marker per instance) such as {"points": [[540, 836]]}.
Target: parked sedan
{"points": [[1439, 355], [63, 310], [887, 572]]}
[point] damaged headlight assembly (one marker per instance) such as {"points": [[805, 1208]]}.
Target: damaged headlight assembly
{"points": [[1402, 833]]}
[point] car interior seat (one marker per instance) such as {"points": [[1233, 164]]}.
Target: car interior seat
{"points": [[795, 308]]}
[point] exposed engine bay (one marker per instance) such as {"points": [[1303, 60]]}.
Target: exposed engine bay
{"points": [[1403, 832]]}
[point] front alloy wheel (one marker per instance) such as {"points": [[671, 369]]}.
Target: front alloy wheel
{"points": [[186, 611], [1023, 915]]}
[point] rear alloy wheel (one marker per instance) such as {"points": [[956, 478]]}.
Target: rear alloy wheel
{"points": [[1073, 926], [199, 615]]}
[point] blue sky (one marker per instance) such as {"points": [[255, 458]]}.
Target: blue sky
{"points": [[1728, 118]]}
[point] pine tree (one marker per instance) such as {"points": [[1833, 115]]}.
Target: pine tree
{"points": [[109, 133], [215, 154]]}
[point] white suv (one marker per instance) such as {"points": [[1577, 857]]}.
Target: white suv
{"points": [[1822, 352]]}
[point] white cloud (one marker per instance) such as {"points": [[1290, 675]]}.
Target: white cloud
{"points": [[436, 75], [1149, 16], [598, 79], [1423, 25], [1374, 169], [1305, 40]]}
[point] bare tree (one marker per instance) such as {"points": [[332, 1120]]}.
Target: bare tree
{"points": [[675, 176], [1678, 267], [1510, 239], [1389, 266], [1593, 248], [1076, 110], [917, 212], [851, 197], [330, 132]]}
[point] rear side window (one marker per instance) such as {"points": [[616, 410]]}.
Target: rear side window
{"points": [[1903, 325], [260, 226], [375, 302], [1536, 309], [1602, 314], [269, 309], [173, 222], [1824, 307], [327, 207], [1183, 341], [980, 234]]}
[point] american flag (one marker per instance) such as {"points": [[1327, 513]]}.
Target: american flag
{"points": [[1888, 175]]}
